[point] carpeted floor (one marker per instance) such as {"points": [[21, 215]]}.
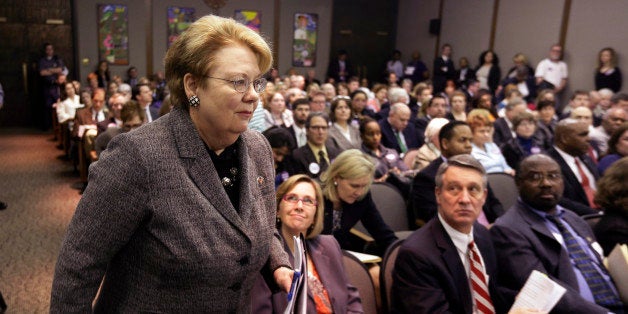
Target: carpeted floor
{"points": [[39, 188]]}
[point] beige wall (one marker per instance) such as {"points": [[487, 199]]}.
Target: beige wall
{"points": [[87, 45], [529, 27]]}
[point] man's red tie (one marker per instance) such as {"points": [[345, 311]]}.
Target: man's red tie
{"points": [[481, 296], [585, 185]]}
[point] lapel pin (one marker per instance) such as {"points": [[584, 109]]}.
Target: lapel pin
{"points": [[260, 180]]}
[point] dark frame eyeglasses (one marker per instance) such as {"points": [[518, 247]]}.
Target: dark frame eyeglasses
{"points": [[241, 85]]}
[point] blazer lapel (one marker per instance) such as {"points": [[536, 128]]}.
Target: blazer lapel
{"points": [[200, 167], [452, 260]]}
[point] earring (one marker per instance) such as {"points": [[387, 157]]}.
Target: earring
{"points": [[335, 183], [278, 220], [194, 101]]}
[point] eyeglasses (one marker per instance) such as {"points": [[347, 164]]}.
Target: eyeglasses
{"points": [[293, 199], [241, 85], [539, 177]]}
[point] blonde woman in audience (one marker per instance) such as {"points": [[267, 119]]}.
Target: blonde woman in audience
{"points": [[275, 112], [458, 106], [483, 148], [343, 134], [431, 149], [300, 210]]}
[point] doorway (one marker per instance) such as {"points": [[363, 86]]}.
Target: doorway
{"points": [[367, 30], [25, 25]]}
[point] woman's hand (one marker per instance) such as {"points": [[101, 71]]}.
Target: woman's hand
{"points": [[283, 278]]}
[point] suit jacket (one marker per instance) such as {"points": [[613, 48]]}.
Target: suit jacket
{"points": [[334, 69], [443, 71], [83, 116], [327, 258], [340, 142], [423, 205], [502, 133], [523, 243], [157, 224], [390, 140], [303, 157], [574, 197], [429, 276]]}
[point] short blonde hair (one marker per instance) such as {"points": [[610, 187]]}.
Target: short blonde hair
{"points": [[288, 185], [350, 164], [194, 52], [479, 117]]}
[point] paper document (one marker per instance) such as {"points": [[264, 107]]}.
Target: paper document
{"points": [[539, 293], [366, 258], [297, 297]]}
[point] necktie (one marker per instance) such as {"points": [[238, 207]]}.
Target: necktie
{"points": [[585, 185], [591, 154], [602, 292], [402, 146], [321, 160], [302, 139], [481, 297]]}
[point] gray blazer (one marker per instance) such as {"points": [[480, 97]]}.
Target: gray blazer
{"points": [[157, 224], [340, 142]]}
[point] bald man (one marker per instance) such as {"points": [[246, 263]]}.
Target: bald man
{"points": [[397, 133]]}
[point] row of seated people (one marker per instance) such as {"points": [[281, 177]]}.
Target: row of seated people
{"points": [[436, 265]]}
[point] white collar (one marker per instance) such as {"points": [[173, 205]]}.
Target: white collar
{"points": [[460, 240]]}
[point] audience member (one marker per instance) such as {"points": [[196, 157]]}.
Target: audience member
{"points": [[131, 76], [524, 82], [455, 139], [617, 148], [300, 209], [282, 145], [346, 188], [608, 74], [579, 98], [395, 65], [611, 121], [300, 112], [443, 69], [50, 67], [380, 92], [435, 107], [353, 84], [504, 130], [416, 70], [547, 120], [116, 102], [343, 134], [397, 133], [551, 73], [620, 100], [66, 109], [449, 265], [329, 90], [132, 117], [126, 90], [144, 97], [488, 72], [483, 148], [571, 144], [458, 106], [314, 157], [102, 73], [395, 95], [318, 102], [86, 120], [358, 106], [539, 234], [612, 196], [275, 113], [526, 142], [464, 73], [431, 148], [339, 69]]}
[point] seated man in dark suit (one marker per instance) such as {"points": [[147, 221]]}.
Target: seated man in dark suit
{"points": [[397, 133], [449, 265], [503, 126], [571, 144], [455, 139], [314, 157], [538, 234]]}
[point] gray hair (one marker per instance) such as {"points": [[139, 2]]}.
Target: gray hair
{"points": [[396, 93], [461, 161]]}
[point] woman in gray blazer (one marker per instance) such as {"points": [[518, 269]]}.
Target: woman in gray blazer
{"points": [[179, 214]]}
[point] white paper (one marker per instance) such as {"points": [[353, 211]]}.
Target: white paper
{"points": [[298, 301], [539, 293], [366, 258]]}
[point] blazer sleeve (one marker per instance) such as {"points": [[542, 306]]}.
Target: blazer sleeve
{"points": [[423, 199], [517, 259], [111, 209], [375, 224], [353, 301], [415, 289]]}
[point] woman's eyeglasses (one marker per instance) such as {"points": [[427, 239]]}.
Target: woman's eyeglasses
{"points": [[241, 85], [293, 199]]}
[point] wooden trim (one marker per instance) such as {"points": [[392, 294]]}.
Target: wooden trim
{"points": [[564, 24], [491, 43], [276, 33], [440, 18], [149, 37]]}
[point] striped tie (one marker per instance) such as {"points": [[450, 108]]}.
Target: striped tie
{"points": [[481, 297], [601, 289]]}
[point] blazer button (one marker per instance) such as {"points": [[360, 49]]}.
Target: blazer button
{"points": [[235, 287], [244, 260]]}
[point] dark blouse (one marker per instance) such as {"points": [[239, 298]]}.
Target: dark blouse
{"points": [[227, 167], [363, 210], [610, 79]]}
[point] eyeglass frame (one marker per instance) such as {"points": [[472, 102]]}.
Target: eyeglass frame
{"points": [[262, 81], [538, 177], [314, 201]]}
